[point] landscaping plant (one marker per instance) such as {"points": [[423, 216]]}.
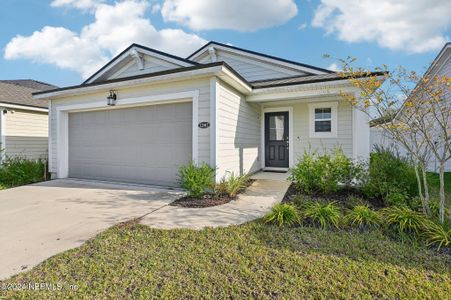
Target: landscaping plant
{"points": [[405, 220], [437, 234], [363, 217], [390, 177], [283, 214], [233, 184], [196, 180], [322, 214], [325, 173], [16, 171]]}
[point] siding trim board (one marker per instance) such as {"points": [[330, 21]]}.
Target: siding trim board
{"points": [[62, 117]]}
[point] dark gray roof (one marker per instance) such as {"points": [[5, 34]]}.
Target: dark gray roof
{"points": [[303, 79], [19, 92]]}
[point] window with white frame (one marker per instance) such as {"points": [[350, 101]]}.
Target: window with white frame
{"points": [[323, 120]]}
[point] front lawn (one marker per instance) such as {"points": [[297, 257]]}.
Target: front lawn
{"points": [[249, 261]]}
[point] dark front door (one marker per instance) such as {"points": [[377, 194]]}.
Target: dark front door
{"points": [[276, 139]]}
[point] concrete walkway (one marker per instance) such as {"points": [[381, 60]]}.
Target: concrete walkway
{"points": [[254, 203]]}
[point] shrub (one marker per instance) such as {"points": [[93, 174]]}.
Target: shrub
{"points": [[196, 180], [396, 199], [323, 173], [389, 176], [322, 214], [17, 171], [363, 217], [283, 214], [404, 220], [233, 184], [436, 234]]}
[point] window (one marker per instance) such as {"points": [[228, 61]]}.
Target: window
{"points": [[323, 120], [276, 128]]}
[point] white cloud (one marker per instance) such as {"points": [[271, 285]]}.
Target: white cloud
{"points": [[156, 8], [80, 4], [249, 15], [115, 27], [415, 26], [302, 26], [334, 67]]}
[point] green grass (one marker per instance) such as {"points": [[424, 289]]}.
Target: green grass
{"points": [[248, 261]]}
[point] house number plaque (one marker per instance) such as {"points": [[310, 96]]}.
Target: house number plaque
{"points": [[204, 125]]}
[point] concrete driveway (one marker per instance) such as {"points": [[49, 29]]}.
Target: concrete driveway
{"points": [[38, 221]]}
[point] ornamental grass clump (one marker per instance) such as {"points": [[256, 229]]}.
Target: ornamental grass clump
{"points": [[234, 184], [323, 214], [362, 217], [437, 235], [404, 220], [283, 214]]}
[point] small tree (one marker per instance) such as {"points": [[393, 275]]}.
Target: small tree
{"points": [[422, 123]]}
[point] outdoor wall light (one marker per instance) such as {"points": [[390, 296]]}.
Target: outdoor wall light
{"points": [[111, 99]]}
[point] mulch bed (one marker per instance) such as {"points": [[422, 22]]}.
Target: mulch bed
{"points": [[207, 200], [340, 196]]}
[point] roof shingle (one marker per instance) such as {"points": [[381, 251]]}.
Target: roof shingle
{"points": [[19, 92]]}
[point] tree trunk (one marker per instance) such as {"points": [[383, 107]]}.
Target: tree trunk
{"points": [[442, 192], [426, 189], [420, 189]]}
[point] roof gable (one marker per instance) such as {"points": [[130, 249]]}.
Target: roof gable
{"points": [[137, 60], [253, 65]]}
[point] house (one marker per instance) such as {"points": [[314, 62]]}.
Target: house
{"points": [[441, 66], [147, 112], [23, 120]]}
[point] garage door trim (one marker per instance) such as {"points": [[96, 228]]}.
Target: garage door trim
{"points": [[62, 121]]}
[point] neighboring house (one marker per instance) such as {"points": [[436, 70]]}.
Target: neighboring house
{"points": [[23, 120], [441, 66], [235, 109]]}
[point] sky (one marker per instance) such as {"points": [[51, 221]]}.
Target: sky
{"points": [[63, 42]]}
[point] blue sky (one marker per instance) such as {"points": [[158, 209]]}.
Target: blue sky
{"points": [[63, 41]]}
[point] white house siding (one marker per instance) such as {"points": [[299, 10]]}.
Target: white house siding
{"points": [[238, 132], [26, 134], [151, 65], [201, 85], [301, 127], [378, 137], [251, 69]]}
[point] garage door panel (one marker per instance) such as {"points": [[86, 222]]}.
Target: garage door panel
{"points": [[142, 144]]}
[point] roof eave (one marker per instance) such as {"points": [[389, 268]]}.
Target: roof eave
{"points": [[219, 69]]}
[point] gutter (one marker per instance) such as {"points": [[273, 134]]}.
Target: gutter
{"points": [[24, 107]]}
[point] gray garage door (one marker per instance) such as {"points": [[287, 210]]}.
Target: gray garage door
{"points": [[139, 145]]}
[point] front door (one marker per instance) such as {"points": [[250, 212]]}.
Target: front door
{"points": [[276, 139]]}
